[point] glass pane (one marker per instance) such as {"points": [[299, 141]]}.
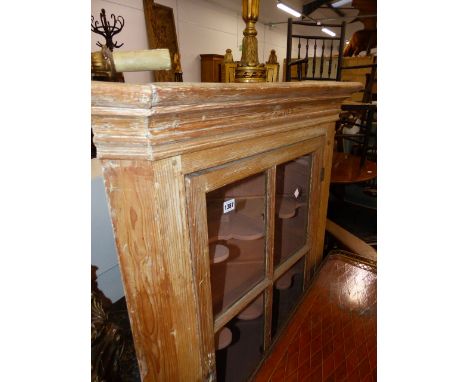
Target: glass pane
{"points": [[236, 235], [286, 293], [239, 344], [292, 198]]}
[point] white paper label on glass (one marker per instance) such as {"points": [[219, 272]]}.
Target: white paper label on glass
{"points": [[229, 205], [296, 193]]}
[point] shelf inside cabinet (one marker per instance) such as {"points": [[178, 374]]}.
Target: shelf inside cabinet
{"points": [[285, 281], [246, 222], [223, 338], [231, 280], [218, 253], [253, 311], [286, 206]]}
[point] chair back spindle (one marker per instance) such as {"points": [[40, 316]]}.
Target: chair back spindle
{"points": [[299, 68], [315, 58], [330, 60], [322, 53]]}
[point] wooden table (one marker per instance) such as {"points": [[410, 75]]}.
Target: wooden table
{"points": [[346, 169]]}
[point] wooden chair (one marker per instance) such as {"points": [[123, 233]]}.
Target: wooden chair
{"points": [[323, 55], [364, 110], [323, 60]]}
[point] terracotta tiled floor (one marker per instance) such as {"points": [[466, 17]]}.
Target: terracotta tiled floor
{"points": [[333, 335]]}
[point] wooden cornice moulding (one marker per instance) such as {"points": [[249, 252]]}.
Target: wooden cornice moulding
{"points": [[159, 120]]}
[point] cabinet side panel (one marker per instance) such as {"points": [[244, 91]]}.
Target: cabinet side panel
{"points": [[147, 203]]}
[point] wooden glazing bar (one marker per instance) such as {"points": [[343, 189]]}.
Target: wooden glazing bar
{"points": [[331, 60], [308, 263], [270, 248], [198, 219], [240, 305], [324, 191], [313, 213], [219, 177], [270, 220], [287, 264]]}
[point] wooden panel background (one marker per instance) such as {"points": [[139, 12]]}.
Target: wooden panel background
{"points": [[161, 31]]}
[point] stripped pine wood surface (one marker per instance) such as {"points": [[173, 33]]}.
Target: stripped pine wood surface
{"points": [[154, 121], [158, 144]]}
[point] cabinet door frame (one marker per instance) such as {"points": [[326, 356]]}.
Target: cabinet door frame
{"points": [[198, 184]]}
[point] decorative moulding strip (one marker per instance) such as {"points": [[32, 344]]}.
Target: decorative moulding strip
{"points": [[108, 131], [159, 120], [143, 147], [223, 154], [176, 121], [167, 94], [207, 93], [211, 108], [129, 96]]}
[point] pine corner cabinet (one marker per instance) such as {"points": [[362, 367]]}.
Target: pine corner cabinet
{"points": [[218, 196]]}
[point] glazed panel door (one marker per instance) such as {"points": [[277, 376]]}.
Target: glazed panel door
{"points": [[253, 226]]}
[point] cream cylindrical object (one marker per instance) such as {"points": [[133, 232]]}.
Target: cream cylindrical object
{"points": [[141, 60]]}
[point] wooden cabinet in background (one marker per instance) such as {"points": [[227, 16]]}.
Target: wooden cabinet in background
{"points": [[211, 67], [218, 196], [214, 69]]}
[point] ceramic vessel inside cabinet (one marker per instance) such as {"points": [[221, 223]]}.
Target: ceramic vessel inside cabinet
{"points": [[218, 196]]}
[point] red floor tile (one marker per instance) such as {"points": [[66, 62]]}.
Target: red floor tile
{"points": [[328, 366], [352, 362], [316, 375], [333, 334], [316, 359], [340, 372]]}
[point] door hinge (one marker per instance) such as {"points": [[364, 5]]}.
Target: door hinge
{"points": [[322, 174]]}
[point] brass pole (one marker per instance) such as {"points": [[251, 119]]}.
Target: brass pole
{"points": [[249, 69]]}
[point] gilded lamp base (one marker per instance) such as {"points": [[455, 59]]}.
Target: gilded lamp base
{"points": [[251, 73]]}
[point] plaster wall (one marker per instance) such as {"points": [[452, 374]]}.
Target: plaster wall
{"points": [[202, 27]]}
